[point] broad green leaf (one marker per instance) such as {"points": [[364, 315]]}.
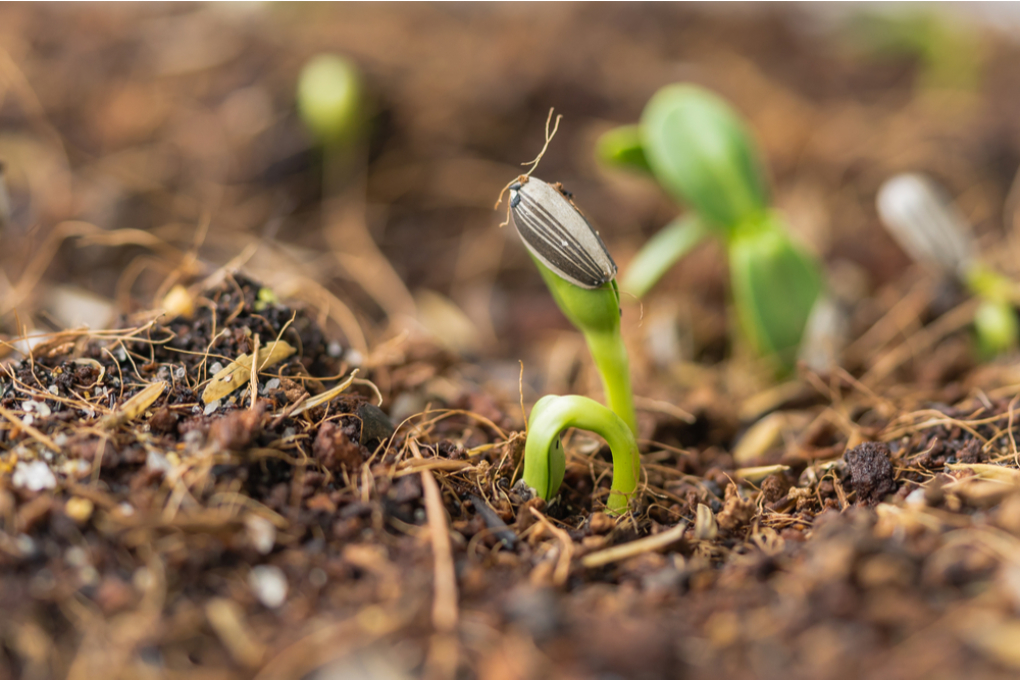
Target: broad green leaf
{"points": [[775, 285], [701, 152]]}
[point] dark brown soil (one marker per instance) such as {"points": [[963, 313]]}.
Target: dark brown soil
{"points": [[859, 523], [871, 473]]}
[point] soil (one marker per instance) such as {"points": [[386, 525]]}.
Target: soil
{"points": [[859, 522]]}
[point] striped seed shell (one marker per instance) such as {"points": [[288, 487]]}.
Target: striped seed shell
{"points": [[924, 221], [556, 233]]}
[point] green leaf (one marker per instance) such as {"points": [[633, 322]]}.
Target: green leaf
{"points": [[701, 152], [621, 147], [775, 285], [661, 252]]}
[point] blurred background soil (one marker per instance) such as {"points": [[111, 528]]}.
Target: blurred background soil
{"points": [[145, 146]]}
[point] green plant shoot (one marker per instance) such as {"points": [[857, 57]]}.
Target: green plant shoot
{"points": [[700, 151], [621, 147], [922, 218], [995, 321], [329, 99], [775, 286], [662, 251], [545, 460], [596, 313]]}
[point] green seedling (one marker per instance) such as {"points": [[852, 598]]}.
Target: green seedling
{"points": [[329, 99], [922, 218], [948, 52], [621, 147], [701, 153], [699, 150], [662, 251], [775, 287], [579, 272], [545, 460], [596, 313]]}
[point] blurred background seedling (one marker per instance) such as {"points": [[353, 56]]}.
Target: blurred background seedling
{"points": [[699, 150], [927, 224]]}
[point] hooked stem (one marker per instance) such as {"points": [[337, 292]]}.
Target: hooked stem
{"points": [[545, 461]]}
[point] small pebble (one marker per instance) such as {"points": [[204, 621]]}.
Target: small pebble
{"points": [[215, 367], [34, 476], [156, 461], [601, 523], [317, 577], [25, 545], [193, 440], [79, 509], [916, 498], [261, 533], [273, 384], [76, 556], [211, 407], [269, 585]]}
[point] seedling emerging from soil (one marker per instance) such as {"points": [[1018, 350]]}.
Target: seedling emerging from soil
{"points": [[580, 274], [949, 53], [329, 99], [922, 218], [699, 150], [545, 461]]}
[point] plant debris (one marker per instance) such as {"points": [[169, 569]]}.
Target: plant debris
{"points": [[208, 490]]}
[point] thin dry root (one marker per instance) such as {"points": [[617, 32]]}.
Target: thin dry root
{"points": [[549, 134]]}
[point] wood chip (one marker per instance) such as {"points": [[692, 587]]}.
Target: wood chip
{"points": [[326, 396], [705, 526], [135, 406], [238, 372], [997, 473], [227, 618], [638, 547], [760, 437], [755, 474]]}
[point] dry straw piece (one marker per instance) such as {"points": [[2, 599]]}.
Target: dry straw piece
{"points": [[135, 406], [239, 370]]}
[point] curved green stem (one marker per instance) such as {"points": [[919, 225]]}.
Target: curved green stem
{"points": [[661, 252], [545, 461], [610, 355], [596, 313]]}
